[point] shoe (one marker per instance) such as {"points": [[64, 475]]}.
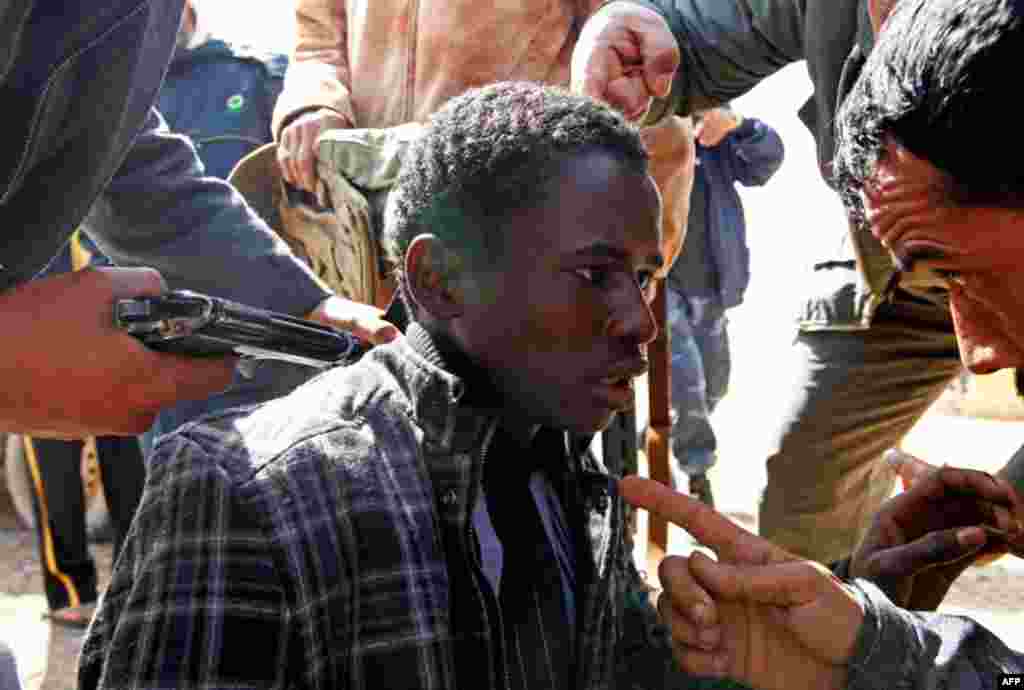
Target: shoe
{"points": [[700, 488], [76, 617]]}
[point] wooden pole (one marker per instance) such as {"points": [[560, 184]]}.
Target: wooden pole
{"points": [[658, 427]]}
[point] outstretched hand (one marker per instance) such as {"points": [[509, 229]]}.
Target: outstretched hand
{"points": [[922, 539], [758, 615], [625, 56]]}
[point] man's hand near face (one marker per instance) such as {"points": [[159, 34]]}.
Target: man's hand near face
{"points": [[625, 56], [67, 371], [922, 539]]}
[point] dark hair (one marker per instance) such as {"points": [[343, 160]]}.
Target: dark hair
{"points": [[491, 152], [939, 81]]}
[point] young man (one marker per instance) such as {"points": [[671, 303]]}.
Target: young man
{"points": [[950, 212], [422, 519]]}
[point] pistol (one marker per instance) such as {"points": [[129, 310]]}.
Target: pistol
{"points": [[191, 323]]}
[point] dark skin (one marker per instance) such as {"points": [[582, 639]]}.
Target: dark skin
{"points": [[922, 539], [560, 320]]}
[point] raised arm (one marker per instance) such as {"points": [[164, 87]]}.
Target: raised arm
{"points": [[197, 231], [725, 48]]}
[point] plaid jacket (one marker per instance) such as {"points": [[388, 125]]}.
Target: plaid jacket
{"points": [[323, 541]]}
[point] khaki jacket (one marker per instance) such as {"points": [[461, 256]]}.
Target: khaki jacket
{"points": [[380, 63]]}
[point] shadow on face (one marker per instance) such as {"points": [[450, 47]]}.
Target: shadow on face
{"points": [[561, 320]]}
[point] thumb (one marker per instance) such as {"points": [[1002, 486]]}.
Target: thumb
{"points": [[909, 468], [806, 599], [127, 282], [788, 584], [890, 568]]}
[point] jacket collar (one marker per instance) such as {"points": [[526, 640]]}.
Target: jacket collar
{"points": [[437, 395]]}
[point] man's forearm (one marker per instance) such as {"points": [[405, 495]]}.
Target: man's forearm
{"points": [[197, 231], [899, 648], [727, 48], [319, 73]]}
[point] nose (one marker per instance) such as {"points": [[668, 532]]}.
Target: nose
{"points": [[633, 319]]}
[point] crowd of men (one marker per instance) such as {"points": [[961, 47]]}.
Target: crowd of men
{"points": [[432, 516]]}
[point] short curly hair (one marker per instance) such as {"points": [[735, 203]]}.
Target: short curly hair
{"points": [[491, 152], [938, 82]]}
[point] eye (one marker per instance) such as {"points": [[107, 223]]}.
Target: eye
{"points": [[595, 275]]}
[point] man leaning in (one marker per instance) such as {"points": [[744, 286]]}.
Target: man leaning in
{"points": [[868, 360], [914, 176]]}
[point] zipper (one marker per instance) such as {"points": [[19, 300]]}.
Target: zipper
{"points": [[477, 567], [599, 592]]}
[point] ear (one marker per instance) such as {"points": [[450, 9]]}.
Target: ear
{"points": [[432, 275]]}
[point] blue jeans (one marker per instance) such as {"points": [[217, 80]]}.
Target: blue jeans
{"points": [[9, 679], [700, 377]]}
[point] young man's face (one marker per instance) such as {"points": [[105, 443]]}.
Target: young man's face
{"points": [[978, 250], [564, 327]]}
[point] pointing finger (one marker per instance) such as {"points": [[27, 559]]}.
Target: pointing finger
{"points": [[727, 539]]}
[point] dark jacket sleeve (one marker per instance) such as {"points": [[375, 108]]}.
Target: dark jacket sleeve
{"points": [[753, 151], [197, 231], [728, 46], [925, 651]]}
